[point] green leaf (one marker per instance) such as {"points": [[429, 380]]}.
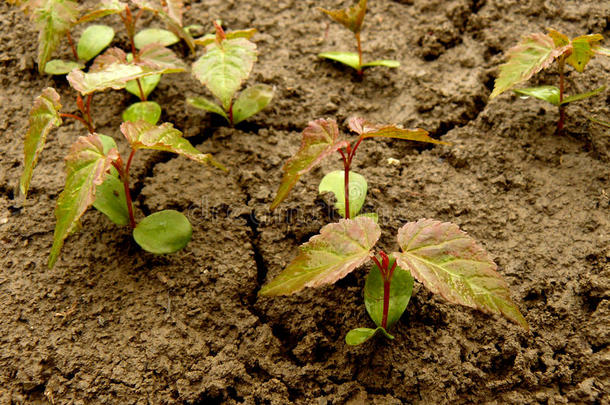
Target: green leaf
{"points": [[224, 67], [534, 53], [44, 115], [351, 18], [599, 122], [251, 101], [601, 50], [371, 215], [86, 167], [113, 76], [367, 129], [148, 111], [450, 263], [320, 139], [350, 59], [93, 41], [148, 83], [207, 105], [53, 18], [339, 249], [163, 232], [171, 14], [61, 67], [582, 96], [335, 183], [110, 195], [144, 135], [382, 62], [546, 93], [107, 7], [401, 287], [559, 39], [155, 35], [358, 336], [582, 51]]}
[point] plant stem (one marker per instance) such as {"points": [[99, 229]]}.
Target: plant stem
{"points": [[88, 111], [81, 119], [359, 53], [346, 166], [71, 41], [562, 112], [142, 94], [386, 273], [132, 220], [231, 113]]}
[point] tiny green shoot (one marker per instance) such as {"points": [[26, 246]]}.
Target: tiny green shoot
{"points": [[352, 18]]}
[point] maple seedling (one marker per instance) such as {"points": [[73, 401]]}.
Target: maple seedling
{"points": [[97, 175], [226, 64], [352, 18], [438, 254], [538, 51]]}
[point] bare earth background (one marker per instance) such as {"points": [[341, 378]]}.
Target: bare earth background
{"points": [[189, 328]]}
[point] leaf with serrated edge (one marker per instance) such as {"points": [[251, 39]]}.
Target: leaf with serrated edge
{"points": [[582, 51], [44, 115], [582, 96], [546, 93], [251, 101], [113, 76], [401, 287], [338, 250], [225, 66], [110, 57], [86, 167], [54, 18], [154, 35], [334, 182], [367, 129], [320, 139], [351, 18], [450, 263], [205, 104], [534, 53], [93, 41], [144, 135], [210, 38], [107, 7], [559, 39], [160, 59]]}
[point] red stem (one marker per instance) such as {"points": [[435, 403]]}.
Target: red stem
{"points": [[81, 119], [231, 113], [88, 111], [386, 303], [387, 274], [359, 53], [71, 41], [346, 166], [132, 220]]}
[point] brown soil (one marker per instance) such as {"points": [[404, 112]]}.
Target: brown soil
{"points": [[112, 324]]}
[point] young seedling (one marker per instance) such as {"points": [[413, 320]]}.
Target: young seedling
{"points": [[97, 175], [322, 139], [56, 18], [226, 64], [437, 254], [538, 51], [352, 18]]}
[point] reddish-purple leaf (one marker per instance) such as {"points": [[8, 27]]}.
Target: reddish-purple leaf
{"points": [[534, 53], [369, 130], [86, 168], [110, 57], [351, 18], [107, 7], [338, 249], [144, 135], [44, 115], [320, 139], [450, 263], [160, 59]]}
